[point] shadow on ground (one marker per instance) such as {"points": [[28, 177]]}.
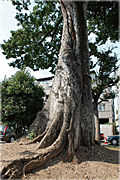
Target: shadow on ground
{"points": [[83, 154]]}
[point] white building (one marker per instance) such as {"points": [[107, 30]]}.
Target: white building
{"points": [[46, 83], [118, 103], [106, 112]]}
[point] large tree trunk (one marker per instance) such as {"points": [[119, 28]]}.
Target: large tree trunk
{"points": [[72, 81], [67, 118]]}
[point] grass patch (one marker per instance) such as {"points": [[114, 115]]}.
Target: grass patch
{"points": [[111, 146]]}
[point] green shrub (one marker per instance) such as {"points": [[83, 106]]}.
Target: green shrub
{"points": [[32, 135]]}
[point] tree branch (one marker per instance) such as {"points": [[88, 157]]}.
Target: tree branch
{"points": [[56, 27], [49, 32], [101, 101]]}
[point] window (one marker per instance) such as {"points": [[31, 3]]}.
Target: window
{"points": [[101, 107], [103, 121]]}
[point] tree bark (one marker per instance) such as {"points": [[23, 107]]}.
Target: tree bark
{"points": [[67, 118], [72, 78]]}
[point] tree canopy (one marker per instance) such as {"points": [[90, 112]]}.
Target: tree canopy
{"points": [[22, 98], [36, 44], [105, 76], [103, 20]]}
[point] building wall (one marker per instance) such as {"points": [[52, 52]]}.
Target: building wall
{"points": [[47, 85], [118, 102], [105, 110], [106, 129], [106, 116]]}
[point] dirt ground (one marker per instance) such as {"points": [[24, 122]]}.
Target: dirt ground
{"points": [[100, 162]]}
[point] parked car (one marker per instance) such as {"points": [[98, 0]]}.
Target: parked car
{"points": [[114, 140], [7, 134], [101, 136]]}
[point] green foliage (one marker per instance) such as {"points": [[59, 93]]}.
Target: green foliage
{"points": [[32, 135], [21, 5], [103, 22], [37, 44], [22, 98], [108, 123], [105, 77], [103, 18], [116, 111]]}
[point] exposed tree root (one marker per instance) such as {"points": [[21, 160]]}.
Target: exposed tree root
{"points": [[38, 138], [53, 131], [19, 167], [14, 169], [53, 142]]}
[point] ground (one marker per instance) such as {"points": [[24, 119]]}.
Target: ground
{"points": [[100, 162]]}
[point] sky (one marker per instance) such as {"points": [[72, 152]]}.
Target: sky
{"points": [[8, 23]]}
